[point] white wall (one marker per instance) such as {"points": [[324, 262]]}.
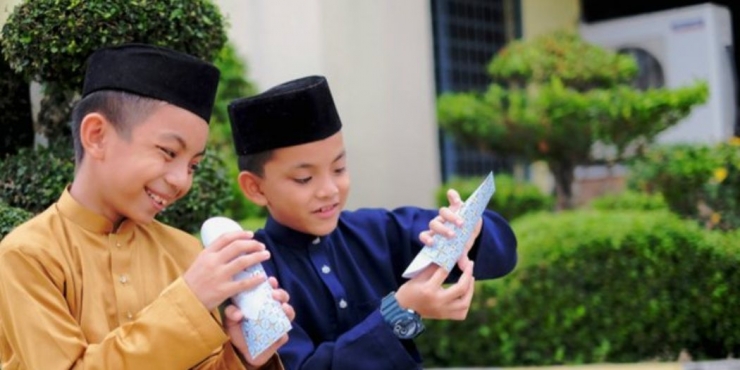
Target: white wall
{"points": [[6, 7], [378, 58]]}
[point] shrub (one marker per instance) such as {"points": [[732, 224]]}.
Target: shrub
{"points": [[34, 179], [232, 85], [10, 217], [629, 200], [49, 41], [697, 181], [512, 198], [208, 197], [591, 287]]}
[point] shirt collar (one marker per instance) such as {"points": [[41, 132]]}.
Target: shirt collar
{"points": [[287, 236], [86, 218]]}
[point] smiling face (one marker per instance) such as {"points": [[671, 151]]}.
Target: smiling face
{"points": [[304, 187], [138, 173]]}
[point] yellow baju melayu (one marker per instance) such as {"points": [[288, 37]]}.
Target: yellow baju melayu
{"points": [[77, 294]]}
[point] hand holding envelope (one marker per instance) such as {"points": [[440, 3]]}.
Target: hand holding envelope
{"points": [[265, 321], [444, 251], [424, 292]]}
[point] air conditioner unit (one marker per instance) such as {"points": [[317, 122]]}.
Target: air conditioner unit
{"points": [[675, 48]]}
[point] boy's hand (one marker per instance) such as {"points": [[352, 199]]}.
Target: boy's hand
{"points": [[425, 294], [449, 214], [210, 277], [232, 324]]}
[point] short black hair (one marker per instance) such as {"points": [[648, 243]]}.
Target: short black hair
{"points": [[122, 109], [255, 163]]}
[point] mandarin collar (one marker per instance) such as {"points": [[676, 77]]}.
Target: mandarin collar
{"points": [[289, 237], [86, 218]]}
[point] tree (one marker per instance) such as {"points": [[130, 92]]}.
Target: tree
{"points": [[554, 97], [48, 41]]}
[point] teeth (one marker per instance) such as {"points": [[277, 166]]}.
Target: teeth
{"points": [[157, 198]]}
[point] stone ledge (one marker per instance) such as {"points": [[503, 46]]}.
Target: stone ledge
{"points": [[699, 365]]}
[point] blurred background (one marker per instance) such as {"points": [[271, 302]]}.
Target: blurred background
{"points": [[610, 126]]}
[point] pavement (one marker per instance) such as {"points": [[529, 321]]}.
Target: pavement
{"points": [[730, 364]]}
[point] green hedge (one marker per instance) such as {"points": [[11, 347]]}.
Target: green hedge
{"points": [[10, 217], [595, 286], [512, 198], [629, 200], [33, 179], [232, 85], [697, 181], [210, 196], [50, 40]]}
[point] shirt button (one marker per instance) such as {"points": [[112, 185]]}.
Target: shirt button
{"points": [[342, 304], [129, 315], [316, 241], [326, 269], [123, 279]]}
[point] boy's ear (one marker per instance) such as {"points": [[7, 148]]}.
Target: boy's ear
{"points": [[251, 186], [93, 130]]}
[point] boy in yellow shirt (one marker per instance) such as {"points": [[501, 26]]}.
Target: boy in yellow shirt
{"points": [[94, 281]]}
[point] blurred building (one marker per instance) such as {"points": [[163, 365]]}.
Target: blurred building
{"points": [[386, 61]]}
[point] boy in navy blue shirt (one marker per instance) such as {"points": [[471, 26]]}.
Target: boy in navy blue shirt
{"points": [[343, 269]]}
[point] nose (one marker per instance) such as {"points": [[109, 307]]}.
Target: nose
{"points": [[328, 188], [179, 178]]}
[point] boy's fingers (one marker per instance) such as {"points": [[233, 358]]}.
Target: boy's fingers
{"points": [[454, 198], [462, 286], [439, 276], [227, 238], [238, 286], [463, 262], [280, 295], [273, 282], [289, 311], [237, 248], [233, 313], [245, 261], [426, 237], [450, 215]]}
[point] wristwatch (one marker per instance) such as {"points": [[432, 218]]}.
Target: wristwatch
{"points": [[406, 323]]}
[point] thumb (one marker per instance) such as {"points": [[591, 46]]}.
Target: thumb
{"points": [[454, 198]]}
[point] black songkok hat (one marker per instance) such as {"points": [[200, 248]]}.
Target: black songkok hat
{"points": [[293, 113], [154, 72]]}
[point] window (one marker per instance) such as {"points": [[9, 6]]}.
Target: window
{"points": [[467, 33]]}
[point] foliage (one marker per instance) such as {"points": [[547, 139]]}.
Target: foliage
{"points": [[232, 85], [16, 127], [629, 200], [33, 179], [10, 217], [512, 198], [49, 41], [618, 286], [556, 96], [697, 181], [209, 196]]}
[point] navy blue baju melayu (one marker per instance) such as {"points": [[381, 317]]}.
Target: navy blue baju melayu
{"points": [[336, 283]]}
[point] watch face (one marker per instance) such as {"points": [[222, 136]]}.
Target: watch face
{"points": [[407, 328]]}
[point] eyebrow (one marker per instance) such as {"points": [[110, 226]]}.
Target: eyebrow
{"points": [[181, 141], [308, 165]]}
